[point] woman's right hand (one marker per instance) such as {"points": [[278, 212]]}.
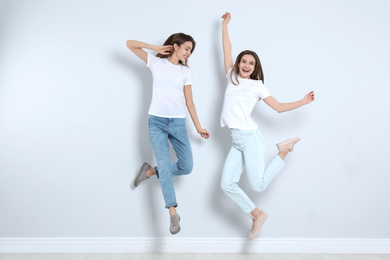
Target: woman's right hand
{"points": [[164, 50], [226, 18]]}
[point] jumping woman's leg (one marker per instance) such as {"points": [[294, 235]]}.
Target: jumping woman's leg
{"points": [[259, 175], [181, 144], [232, 170], [158, 134], [253, 149], [254, 154]]}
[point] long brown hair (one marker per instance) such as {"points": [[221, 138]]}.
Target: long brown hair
{"points": [[257, 73], [179, 39]]}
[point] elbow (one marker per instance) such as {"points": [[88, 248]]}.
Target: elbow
{"points": [[190, 105], [129, 44], [279, 109]]}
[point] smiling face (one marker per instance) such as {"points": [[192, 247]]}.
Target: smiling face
{"points": [[246, 66], [183, 52]]}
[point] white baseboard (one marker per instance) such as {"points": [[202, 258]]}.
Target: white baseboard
{"points": [[194, 245]]}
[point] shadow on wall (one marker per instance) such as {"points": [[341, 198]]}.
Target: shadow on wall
{"points": [[5, 12], [137, 68], [221, 203]]}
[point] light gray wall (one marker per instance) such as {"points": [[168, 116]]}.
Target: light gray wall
{"points": [[73, 118]]}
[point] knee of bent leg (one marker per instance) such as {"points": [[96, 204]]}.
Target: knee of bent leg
{"points": [[186, 168], [259, 187], [189, 167]]}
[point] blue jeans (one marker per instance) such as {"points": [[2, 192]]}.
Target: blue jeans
{"points": [[248, 151], [160, 131]]}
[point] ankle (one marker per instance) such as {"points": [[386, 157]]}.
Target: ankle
{"points": [[172, 211], [283, 154], [255, 213], [150, 172]]}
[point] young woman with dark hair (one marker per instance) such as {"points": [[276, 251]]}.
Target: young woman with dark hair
{"points": [[244, 89], [172, 94]]}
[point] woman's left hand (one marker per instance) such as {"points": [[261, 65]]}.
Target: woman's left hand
{"points": [[308, 98], [204, 133]]}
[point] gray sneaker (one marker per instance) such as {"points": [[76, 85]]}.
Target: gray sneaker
{"points": [[175, 227], [142, 174]]}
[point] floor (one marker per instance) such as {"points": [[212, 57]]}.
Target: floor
{"points": [[191, 256]]}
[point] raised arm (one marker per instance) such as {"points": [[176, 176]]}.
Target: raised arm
{"points": [[137, 48], [227, 46], [283, 107]]}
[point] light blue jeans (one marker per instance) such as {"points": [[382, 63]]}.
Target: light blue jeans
{"points": [[248, 151], [160, 131]]}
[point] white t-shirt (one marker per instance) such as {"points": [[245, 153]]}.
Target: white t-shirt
{"points": [[240, 101], [168, 87]]}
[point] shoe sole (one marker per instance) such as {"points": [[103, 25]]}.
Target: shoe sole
{"points": [[280, 145], [178, 230], [136, 181], [174, 233]]}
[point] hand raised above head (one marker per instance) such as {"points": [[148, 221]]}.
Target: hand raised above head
{"points": [[226, 17]]}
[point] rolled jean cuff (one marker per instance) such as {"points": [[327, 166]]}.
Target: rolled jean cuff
{"points": [[280, 160], [249, 212], [157, 174], [168, 206]]}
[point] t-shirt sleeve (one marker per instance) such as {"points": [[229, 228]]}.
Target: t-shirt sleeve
{"points": [[188, 77], [152, 60], [263, 91]]}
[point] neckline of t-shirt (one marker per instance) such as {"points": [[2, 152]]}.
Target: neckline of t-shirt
{"points": [[234, 74], [243, 78], [174, 65]]}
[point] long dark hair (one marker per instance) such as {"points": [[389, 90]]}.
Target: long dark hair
{"points": [[257, 73], [179, 39]]}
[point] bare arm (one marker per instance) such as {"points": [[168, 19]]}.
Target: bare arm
{"points": [[227, 46], [283, 107], [191, 109], [137, 48]]}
